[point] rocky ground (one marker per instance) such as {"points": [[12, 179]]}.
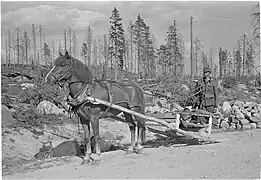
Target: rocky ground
{"points": [[26, 129]]}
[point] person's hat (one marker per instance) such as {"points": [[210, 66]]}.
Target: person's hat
{"points": [[207, 69]]}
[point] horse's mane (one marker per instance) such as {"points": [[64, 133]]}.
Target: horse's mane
{"points": [[82, 71]]}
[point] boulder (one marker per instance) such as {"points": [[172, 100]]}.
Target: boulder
{"points": [[238, 103], [224, 125], [46, 107], [7, 118], [232, 127], [238, 126], [258, 107], [253, 110], [258, 125], [233, 119], [246, 127], [253, 125], [244, 121], [246, 113], [239, 115], [255, 118], [226, 106]]}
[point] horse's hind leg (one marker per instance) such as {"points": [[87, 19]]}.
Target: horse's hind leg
{"points": [[141, 131], [132, 127], [94, 118]]}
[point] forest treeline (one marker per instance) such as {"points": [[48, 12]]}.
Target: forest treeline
{"points": [[133, 49]]}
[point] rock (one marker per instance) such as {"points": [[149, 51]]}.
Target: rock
{"points": [[238, 103], [226, 106], [7, 118], [247, 104], [253, 125], [244, 121], [233, 119], [258, 125], [226, 119], [239, 115], [27, 85], [46, 107], [245, 112], [254, 111], [224, 125], [232, 127], [258, 107], [238, 126], [246, 127], [255, 118]]}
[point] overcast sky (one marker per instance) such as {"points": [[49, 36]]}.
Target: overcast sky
{"points": [[216, 23]]}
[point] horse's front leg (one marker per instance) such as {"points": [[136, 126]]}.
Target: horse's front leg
{"points": [[94, 118], [87, 136]]}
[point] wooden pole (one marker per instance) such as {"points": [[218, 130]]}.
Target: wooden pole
{"points": [[148, 118]]}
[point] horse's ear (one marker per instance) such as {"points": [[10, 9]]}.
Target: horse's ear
{"points": [[60, 53], [67, 55]]}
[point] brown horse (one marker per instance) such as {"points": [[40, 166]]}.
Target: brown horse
{"points": [[127, 94]]}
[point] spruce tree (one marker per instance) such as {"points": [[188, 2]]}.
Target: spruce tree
{"points": [[116, 40]]}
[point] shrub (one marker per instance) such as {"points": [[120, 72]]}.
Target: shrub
{"points": [[229, 82]]}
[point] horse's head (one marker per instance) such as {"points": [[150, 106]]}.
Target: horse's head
{"points": [[62, 69]]}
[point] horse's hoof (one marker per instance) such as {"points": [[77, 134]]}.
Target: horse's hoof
{"points": [[96, 162], [86, 161], [138, 150]]}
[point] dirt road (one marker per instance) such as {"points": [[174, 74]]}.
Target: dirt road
{"points": [[237, 157]]}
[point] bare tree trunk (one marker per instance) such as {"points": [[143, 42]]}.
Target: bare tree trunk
{"points": [[131, 50], [34, 44], [26, 47], [74, 44], [59, 48], [104, 75], [244, 52], [18, 46], [65, 49], [70, 40], [41, 45], [9, 48], [6, 51], [51, 64]]}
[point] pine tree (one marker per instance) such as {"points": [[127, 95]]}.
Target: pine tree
{"points": [[149, 52], [89, 45], [174, 44], [238, 64], [47, 53], [196, 51], [138, 37], [250, 62], [84, 52], [27, 45], [116, 40]]}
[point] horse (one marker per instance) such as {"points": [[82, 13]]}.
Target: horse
{"points": [[127, 94]]}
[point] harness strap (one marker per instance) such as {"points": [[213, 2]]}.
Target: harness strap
{"points": [[107, 85]]}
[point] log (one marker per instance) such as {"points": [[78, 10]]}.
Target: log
{"points": [[148, 118]]}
